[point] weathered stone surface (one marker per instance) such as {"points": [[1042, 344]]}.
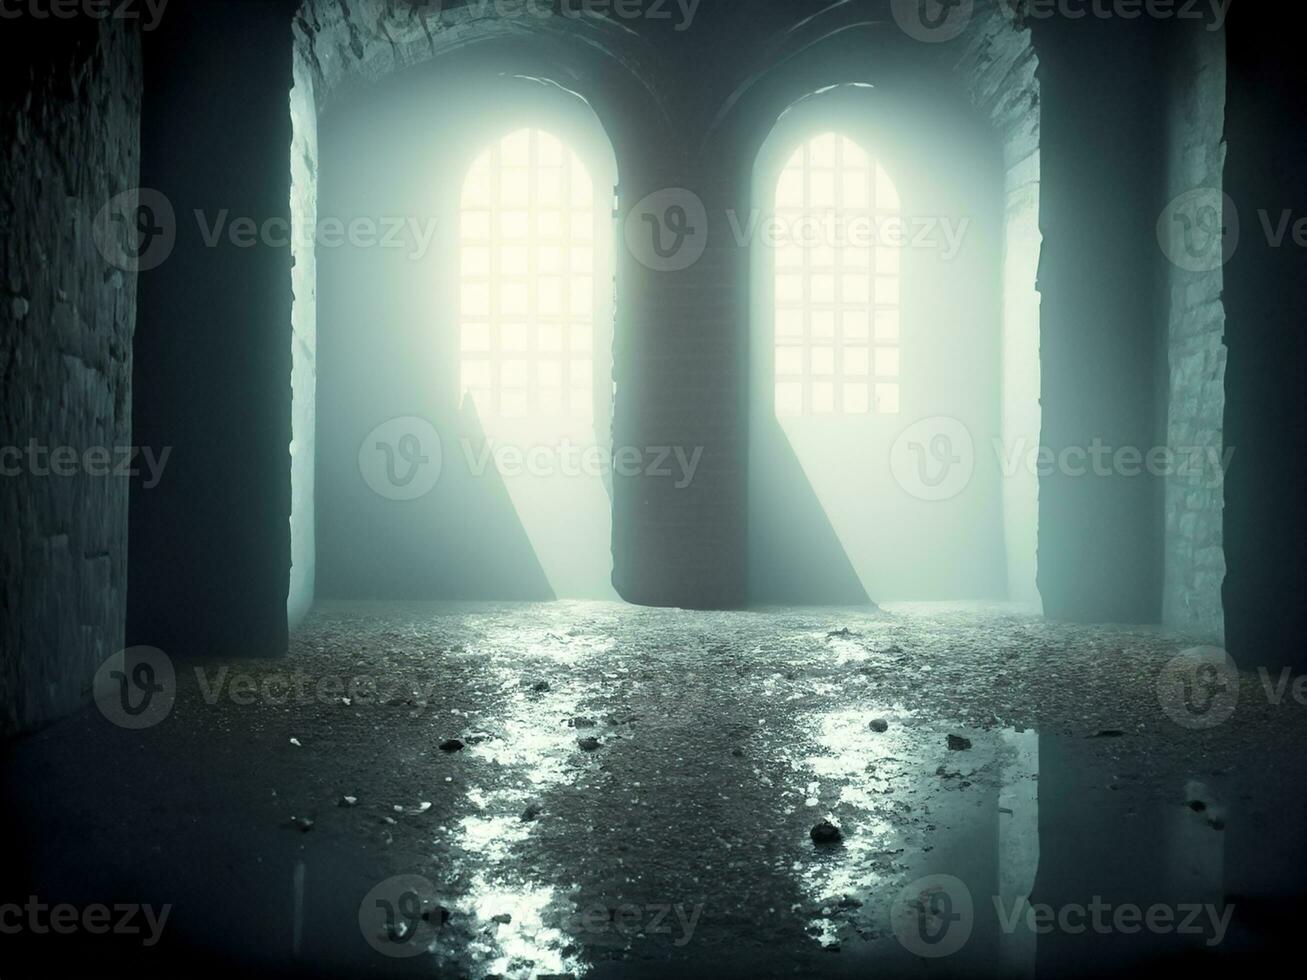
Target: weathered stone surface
{"points": [[1195, 495], [997, 65], [304, 332], [66, 320]]}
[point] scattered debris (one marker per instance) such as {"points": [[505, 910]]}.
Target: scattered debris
{"points": [[580, 722], [879, 725], [826, 833], [302, 824], [589, 743], [451, 745], [348, 801], [295, 742], [956, 743], [436, 915]]}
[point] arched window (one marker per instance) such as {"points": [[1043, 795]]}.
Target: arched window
{"points": [[527, 268], [837, 297]]}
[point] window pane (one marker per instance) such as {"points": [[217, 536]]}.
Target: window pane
{"points": [[834, 297], [527, 296]]}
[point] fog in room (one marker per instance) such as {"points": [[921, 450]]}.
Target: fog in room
{"points": [[651, 488]]}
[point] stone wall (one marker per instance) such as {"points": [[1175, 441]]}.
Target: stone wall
{"points": [[304, 338], [1195, 497], [70, 103], [999, 64], [1265, 300]]}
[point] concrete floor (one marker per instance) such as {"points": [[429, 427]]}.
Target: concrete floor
{"points": [[680, 844]]}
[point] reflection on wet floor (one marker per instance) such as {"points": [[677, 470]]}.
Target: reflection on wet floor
{"points": [[595, 790]]}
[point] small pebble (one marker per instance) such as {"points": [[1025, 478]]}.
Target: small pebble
{"points": [[826, 833]]}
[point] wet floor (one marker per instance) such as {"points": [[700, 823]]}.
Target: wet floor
{"points": [[600, 790]]}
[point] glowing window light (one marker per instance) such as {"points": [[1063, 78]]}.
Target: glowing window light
{"points": [[837, 283], [527, 271]]}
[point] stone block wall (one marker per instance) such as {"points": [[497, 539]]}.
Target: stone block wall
{"points": [[304, 338], [1195, 495], [70, 105], [999, 63]]}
